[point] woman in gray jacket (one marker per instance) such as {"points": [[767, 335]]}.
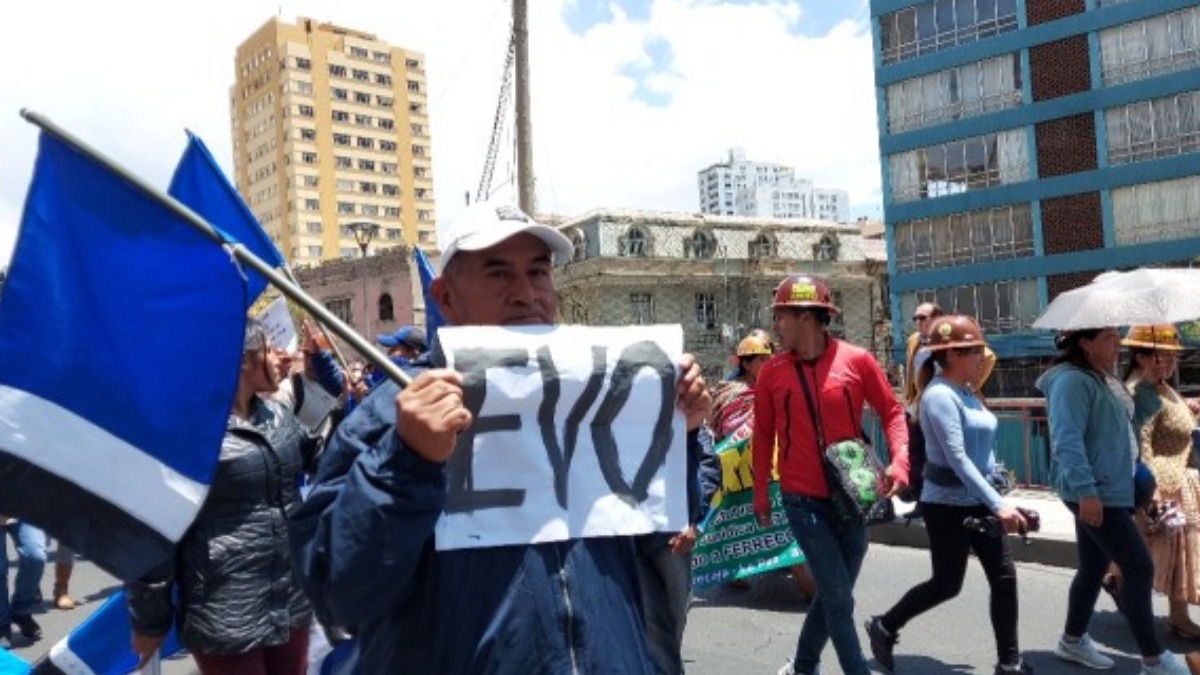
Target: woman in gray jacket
{"points": [[238, 607], [1091, 437]]}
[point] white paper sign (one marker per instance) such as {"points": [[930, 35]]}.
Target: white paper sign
{"points": [[576, 434], [277, 321]]}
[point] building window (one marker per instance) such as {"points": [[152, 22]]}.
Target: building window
{"points": [[340, 116], [390, 190], [341, 139], [363, 120], [336, 70], [308, 134], [345, 185], [340, 94], [414, 87], [384, 101], [1158, 45], [391, 211], [346, 207], [342, 162], [965, 91], [358, 52], [361, 75], [1150, 129], [313, 226], [387, 146], [367, 187], [825, 250], [308, 157], [1160, 211], [384, 80], [706, 311], [347, 252], [999, 307], [641, 306], [314, 251], [971, 237], [309, 181], [934, 26], [386, 123], [762, 246], [959, 166], [387, 167], [370, 209], [392, 233], [412, 64], [700, 245], [579, 245], [303, 63], [634, 243], [385, 307], [362, 97], [312, 204], [367, 143], [304, 110], [341, 308], [303, 87], [366, 165]]}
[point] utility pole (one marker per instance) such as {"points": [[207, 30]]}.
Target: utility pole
{"points": [[526, 197]]}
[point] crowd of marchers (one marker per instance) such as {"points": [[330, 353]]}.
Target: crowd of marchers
{"points": [[320, 521]]}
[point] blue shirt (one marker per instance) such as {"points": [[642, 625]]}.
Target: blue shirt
{"points": [[960, 433]]}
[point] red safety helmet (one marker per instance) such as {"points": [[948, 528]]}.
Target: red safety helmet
{"points": [[805, 291], [953, 332]]}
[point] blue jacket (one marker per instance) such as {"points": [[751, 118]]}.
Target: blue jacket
{"points": [[363, 546], [1090, 437]]}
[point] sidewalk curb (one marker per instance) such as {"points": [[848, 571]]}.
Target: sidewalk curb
{"points": [[1041, 550]]}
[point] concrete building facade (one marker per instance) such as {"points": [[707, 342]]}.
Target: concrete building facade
{"points": [[741, 187], [330, 128], [1029, 145], [715, 275]]}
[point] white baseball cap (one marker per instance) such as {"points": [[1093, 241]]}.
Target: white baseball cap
{"points": [[486, 224]]}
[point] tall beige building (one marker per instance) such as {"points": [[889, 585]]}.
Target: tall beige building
{"points": [[330, 128]]}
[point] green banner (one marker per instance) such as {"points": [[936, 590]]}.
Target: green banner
{"points": [[731, 543]]}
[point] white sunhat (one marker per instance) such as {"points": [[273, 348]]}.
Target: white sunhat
{"points": [[486, 224]]}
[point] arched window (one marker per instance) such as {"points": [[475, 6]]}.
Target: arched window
{"points": [[635, 243], [580, 243], [700, 245], [385, 307], [762, 246], [826, 249]]}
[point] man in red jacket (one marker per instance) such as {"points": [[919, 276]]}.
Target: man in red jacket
{"points": [[808, 396]]}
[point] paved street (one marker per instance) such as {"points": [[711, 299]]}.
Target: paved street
{"points": [[754, 631]]}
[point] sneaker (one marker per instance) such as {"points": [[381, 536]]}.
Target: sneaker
{"points": [[6, 640], [1021, 668], [1084, 653], [1168, 664], [882, 643], [28, 627], [790, 669]]}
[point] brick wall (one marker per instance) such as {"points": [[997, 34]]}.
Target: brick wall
{"points": [[1066, 145], [1072, 223], [1061, 283], [1041, 11], [1059, 68]]}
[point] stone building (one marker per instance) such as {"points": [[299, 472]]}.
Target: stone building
{"points": [[373, 295], [716, 275]]}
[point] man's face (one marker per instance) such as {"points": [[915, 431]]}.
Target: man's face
{"points": [[506, 285]]}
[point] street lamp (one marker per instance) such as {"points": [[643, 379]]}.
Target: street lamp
{"points": [[364, 232]]}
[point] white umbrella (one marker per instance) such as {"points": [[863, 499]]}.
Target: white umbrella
{"points": [[1143, 296]]}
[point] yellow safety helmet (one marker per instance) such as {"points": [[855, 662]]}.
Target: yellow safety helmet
{"points": [[1159, 336]]}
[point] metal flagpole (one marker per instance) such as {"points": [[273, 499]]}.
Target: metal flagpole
{"points": [[238, 251]]}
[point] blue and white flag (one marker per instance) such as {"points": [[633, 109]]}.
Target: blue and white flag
{"points": [[433, 315], [121, 335], [201, 185], [100, 645]]}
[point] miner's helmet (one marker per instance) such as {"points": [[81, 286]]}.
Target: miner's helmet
{"points": [[804, 291], [953, 332], [753, 345], [1159, 336]]}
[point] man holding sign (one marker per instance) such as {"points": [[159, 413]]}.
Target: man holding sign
{"points": [[411, 464]]}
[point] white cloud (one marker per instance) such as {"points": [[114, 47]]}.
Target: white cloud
{"points": [[129, 76]]}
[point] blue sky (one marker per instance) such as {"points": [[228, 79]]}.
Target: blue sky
{"points": [[630, 97]]}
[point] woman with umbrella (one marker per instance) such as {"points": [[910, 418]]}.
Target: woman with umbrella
{"points": [[1173, 535], [1092, 435]]}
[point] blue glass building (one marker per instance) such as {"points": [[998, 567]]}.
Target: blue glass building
{"points": [[1028, 145]]}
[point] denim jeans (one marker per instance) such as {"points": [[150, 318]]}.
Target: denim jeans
{"points": [[31, 561], [666, 582], [1117, 540], [835, 553]]}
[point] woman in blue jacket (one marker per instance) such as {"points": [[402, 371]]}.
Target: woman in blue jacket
{"points": [[1093, 445], [960, 433]]}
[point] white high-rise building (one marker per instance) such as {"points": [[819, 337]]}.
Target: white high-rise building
{"points": [[740, 187]]}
